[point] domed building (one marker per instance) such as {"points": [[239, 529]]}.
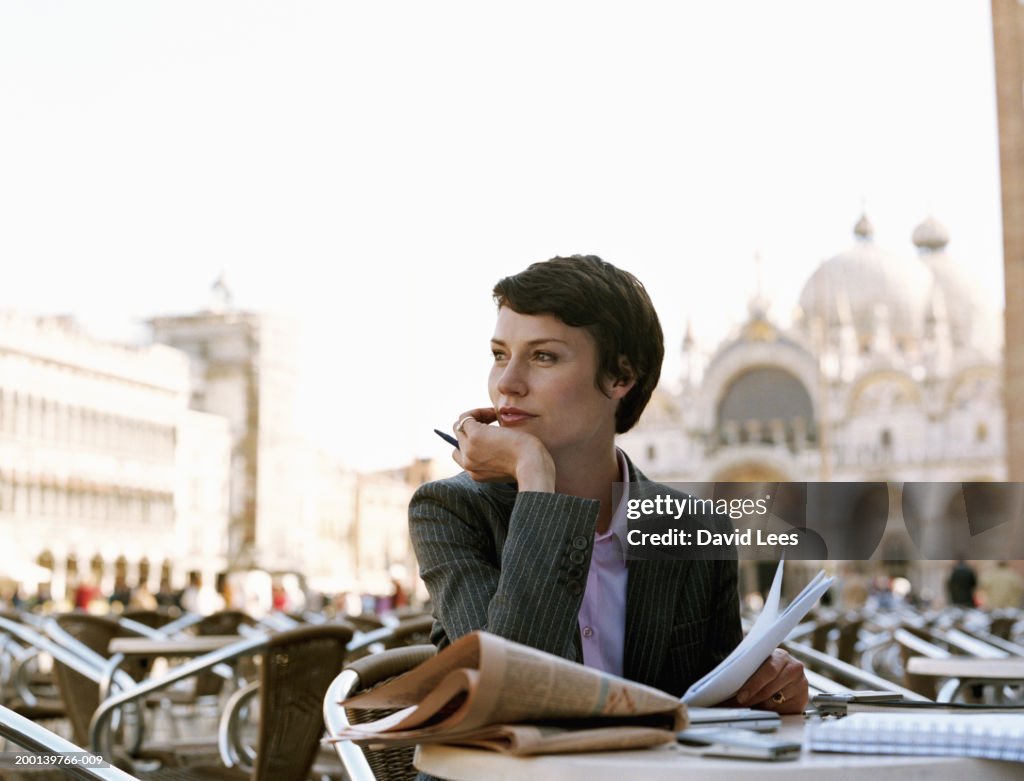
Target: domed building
{"points": [[868, 287], [891, 372]]}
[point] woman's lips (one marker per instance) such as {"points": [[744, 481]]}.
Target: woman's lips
{"points": [[511, 416]]}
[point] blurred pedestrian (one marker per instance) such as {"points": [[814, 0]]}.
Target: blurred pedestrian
{"points": [[122, 593], [961, 584], [165, 596]]}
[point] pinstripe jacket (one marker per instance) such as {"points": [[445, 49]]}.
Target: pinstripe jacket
{"points": [[515, 564]]}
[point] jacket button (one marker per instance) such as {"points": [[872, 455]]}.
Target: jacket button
{"points": [[579, 543], [575, 588], [575, 573], [577, 557]]}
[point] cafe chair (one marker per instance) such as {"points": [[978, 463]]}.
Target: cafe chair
{"points": [[295, 669], [843, 673], [365, 622], [36, 739], [27, 682], [912, 644], [81, 675], [371, 764], [234, 749], [223, 622], [236, 752], [87, 636], [412, 631]]}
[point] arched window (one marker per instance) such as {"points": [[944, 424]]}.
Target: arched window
{"points": [[764, 404]]}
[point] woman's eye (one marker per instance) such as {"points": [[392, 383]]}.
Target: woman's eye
{"points": [[543, 357], [498, 355]]}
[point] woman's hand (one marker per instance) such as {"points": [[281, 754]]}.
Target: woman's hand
{"points": [[495, 454], [779, 685]]}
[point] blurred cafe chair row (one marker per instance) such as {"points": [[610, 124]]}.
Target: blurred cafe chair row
{"points": [[221, 696]]}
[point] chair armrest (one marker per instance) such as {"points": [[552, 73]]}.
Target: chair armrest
{"points": [[19, 675], [141, 630], [229, 741], [107, 674], [88, 667], [335, 719], [362, 645], [99, 739], [33, 737], [67, 640], [180, 624], [277, 622]]}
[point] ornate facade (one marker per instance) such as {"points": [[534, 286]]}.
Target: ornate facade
{"points": [[890, 371]]}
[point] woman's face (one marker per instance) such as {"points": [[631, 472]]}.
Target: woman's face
{"points": [[542, 382]]}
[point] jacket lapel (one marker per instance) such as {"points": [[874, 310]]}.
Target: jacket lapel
{"points": [[652, 590]]}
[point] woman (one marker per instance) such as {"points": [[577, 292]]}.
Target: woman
{"points": [[527, 544]]}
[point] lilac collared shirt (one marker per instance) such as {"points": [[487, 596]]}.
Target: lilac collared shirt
{"points": [[603, 612]]}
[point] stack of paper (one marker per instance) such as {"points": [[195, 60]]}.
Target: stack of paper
{"points": [[770, 629]]}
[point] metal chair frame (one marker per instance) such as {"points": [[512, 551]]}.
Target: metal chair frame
{"points": [[347, 683], [34, 737]]}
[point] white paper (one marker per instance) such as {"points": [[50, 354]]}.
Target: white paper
{"points": [[770, 629]]}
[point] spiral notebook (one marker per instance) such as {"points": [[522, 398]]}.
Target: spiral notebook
{"points": [[983, 735]]}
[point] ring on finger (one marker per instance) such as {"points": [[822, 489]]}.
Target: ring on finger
{"points": [[778, 698], [459, 427]]}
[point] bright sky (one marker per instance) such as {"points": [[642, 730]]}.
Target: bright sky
{"points": [[376, 167]]}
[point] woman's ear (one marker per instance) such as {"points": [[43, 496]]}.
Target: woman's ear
{"points": [[622, 383]]}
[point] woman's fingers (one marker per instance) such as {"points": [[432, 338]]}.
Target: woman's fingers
{"points": [[487, 453], [485, 415], [779, 684]]}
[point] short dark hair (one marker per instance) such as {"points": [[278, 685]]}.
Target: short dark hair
{"points": [[612, 305]]}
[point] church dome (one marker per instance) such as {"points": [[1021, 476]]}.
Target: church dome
{"points": [[930, 235], [972, 320], [863, 281]]}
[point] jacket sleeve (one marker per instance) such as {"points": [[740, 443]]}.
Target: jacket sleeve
{"points": [[528, 589]]}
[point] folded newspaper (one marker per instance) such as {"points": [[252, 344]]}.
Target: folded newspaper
{"points": [[493, 693], [770, 629], [486, 691]]}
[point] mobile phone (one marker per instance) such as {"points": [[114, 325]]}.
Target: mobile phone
{"points": [[746, 718], [736, 744], [872, 695], [448, 438], [835, 704]]}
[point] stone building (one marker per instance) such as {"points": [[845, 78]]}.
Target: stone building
{"points": [[890, 371], [91, 438], [242, 367], [293, 508]]}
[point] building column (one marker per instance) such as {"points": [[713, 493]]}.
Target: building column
{"points": [[1008, 37]]}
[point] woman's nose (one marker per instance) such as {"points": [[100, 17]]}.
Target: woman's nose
{"points": [[511, 381]]}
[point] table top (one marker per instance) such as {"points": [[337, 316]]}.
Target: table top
{"points": [[1011, 669], [184, 646], [670, 763]]}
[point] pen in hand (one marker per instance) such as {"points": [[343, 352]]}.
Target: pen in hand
{"points": [[448, 438]]}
